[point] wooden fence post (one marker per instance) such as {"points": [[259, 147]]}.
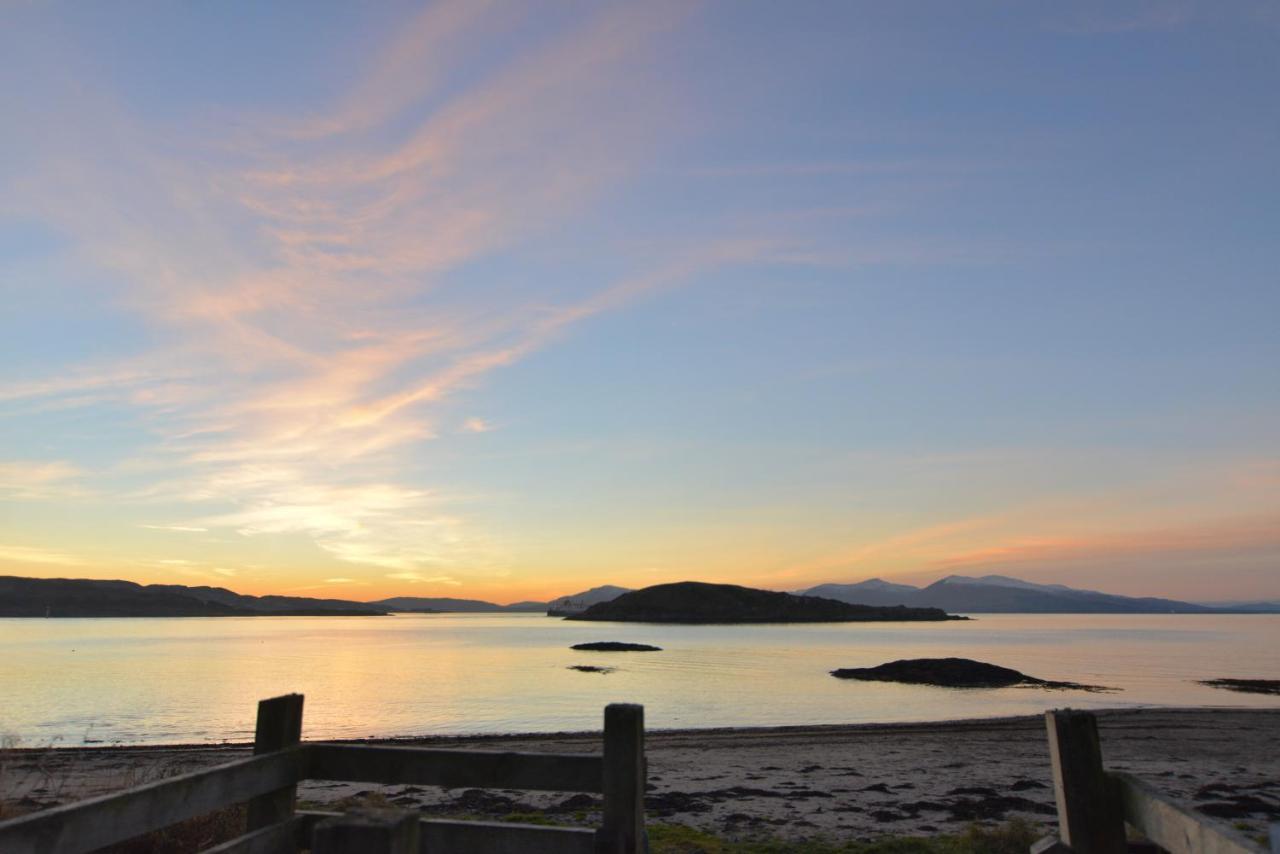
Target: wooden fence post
{"points": [[622, 826], [279, 726], [367, 832], [1090, 820]]}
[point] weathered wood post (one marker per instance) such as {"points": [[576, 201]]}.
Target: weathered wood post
{"points": [[1090, 819], [279, 726], [367, 832], [622, 827]]}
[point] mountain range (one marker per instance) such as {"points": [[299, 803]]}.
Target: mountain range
{"points": [[83, 597], [79, 597], [576, 603], [988, 594], [994, 594]]}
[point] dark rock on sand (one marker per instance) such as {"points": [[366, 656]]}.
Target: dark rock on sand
{"points": [[1249, 686], [615, 646], [574, 803], [1241, 806], [953, 673]]}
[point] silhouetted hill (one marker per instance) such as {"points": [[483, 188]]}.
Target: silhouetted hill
{"points": [[271, 604], [71, 597], [698, 602], [1001, 594], [576, 603]]}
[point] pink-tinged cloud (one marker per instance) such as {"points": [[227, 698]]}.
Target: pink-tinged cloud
{"points": [[1221, 539]]}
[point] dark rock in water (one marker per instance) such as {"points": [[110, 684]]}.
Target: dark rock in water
{"points": [[1249, 686], [591, 668], [698, 602], [615, 646], [953, 673]]}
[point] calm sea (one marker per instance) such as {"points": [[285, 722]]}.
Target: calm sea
{"points": [[72, 682]]}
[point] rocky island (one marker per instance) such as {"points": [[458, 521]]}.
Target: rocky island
{"points": [[615, 646], [699, 602]]}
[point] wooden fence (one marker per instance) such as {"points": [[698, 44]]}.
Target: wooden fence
{"points": [[268, 782], [1094, 804]]}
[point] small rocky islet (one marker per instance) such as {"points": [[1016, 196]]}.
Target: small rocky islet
{"points": [[954, 673], [1247, 686], [615, 646]]}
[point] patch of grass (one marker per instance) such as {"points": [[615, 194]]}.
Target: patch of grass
{"points": [[1013, 837]]}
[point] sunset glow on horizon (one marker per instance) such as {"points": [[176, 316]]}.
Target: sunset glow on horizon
{"points": [[506, 301]]}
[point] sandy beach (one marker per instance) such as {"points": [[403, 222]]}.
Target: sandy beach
{"points": [[841, 781]]}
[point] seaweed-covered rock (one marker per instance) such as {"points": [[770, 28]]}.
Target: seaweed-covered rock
{"points": [[1248, 686], [952, 673]]}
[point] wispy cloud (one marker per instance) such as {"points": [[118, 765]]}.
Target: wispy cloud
{"points": [[297, 268], [39, 479], [1208, 539], [1109, 17], [420, 578], [33, 555]]}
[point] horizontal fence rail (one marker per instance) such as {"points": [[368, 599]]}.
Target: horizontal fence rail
{"points": [[442, 836], [1094, 804], [266, 783], [1172, 827], [288, 835], [97, 822], [455, 769]]}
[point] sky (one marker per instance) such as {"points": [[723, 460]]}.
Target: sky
{"points": [[507, 300]]}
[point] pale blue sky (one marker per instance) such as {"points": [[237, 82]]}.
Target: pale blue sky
{"points": [[517, 298]]}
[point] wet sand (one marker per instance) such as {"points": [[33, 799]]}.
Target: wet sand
{"points": [[851, 782]]}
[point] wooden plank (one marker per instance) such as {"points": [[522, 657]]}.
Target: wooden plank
{"points": [[272, 839], [279, 727], [367, 831], [440, 836], [1089, 819], [1172, 827], [622, 830], [500, 837], [481, 769], [91, 824]]}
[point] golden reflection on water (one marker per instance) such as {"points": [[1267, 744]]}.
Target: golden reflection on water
{"points": [[197, 679]]}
